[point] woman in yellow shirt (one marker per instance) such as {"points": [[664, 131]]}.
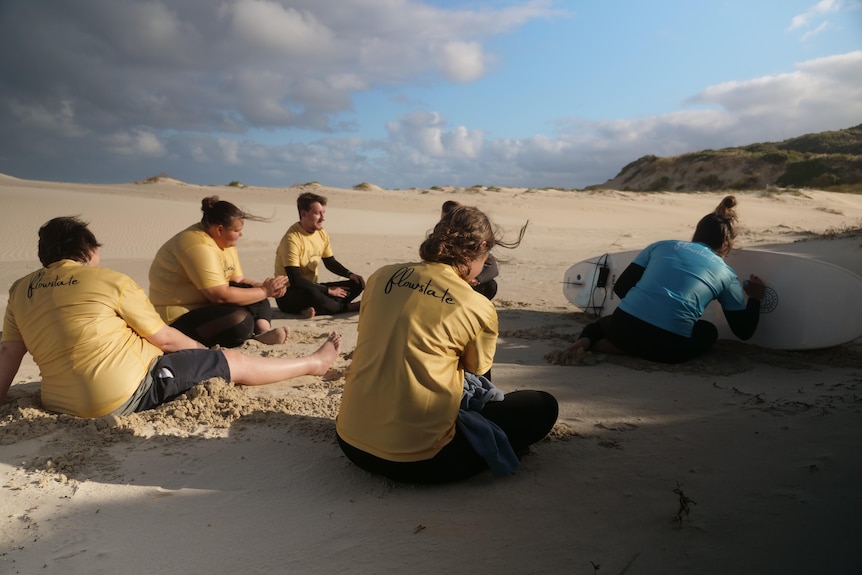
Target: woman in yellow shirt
{"points": [[198, 287], [413, 407]]}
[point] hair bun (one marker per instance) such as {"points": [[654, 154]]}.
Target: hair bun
{"points": [[725, 208], [208, 203]]}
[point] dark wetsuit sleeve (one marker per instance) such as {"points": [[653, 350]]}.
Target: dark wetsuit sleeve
{"points": [[335, 267], [743, 323], [628, 279], [297, 281], [489, 271]]}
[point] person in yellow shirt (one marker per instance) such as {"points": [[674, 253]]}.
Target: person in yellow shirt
{"points": [[101, 347], [414, 406], [198, 287], [303, 248]]}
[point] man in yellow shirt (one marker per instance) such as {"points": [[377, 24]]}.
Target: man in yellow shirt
{"points": [[299, 255], [101, 347]]}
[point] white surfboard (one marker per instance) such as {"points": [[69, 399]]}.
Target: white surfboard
{"points": [[809, 304]]}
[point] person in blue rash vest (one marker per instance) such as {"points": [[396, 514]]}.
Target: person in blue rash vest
{"points": [[666, 289]]}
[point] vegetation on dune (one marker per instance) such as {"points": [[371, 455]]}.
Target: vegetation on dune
{"points": [[366, 186], [826, 160], [155, 179]]}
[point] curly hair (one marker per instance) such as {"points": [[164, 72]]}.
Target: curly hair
{"points": [[716, 229], [463, 235], [66, 238]]}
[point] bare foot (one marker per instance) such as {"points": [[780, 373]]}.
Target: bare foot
{"points": [[583, 343], [275, 336], [308, 312], [326, 354]]}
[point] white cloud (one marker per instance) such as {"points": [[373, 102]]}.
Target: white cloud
{"points": [[60, 119], [135, 143], [814, 14], [229, 151], [151, 32], [462, 61], [283, 30], [179, 86], [821, 92], [237, 64], [812, 33], [819, 95], [426, 132]]}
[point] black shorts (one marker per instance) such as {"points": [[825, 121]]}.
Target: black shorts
{"points": [[175, 373]]}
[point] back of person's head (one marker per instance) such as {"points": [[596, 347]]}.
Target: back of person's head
{"points": [[66, 238], [462, 236], [305, 199], [218, 212], [716, 229]]}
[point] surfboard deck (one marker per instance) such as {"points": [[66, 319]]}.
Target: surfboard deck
{"points": [[808, 304]]}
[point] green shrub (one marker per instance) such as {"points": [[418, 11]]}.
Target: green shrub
{"points": [[802, 173], [775, 158], [710, 182], [659, 184]]}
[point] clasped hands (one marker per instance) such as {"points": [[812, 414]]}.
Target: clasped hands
{"points": [[275, 286]]}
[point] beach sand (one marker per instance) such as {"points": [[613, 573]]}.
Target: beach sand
{"points": [[744, 461]]}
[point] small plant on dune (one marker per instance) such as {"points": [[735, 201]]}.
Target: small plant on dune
{"points": [[236, 184], [844, 230], [154, 179]]}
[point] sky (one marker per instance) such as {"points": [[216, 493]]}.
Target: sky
{"points": [[409, 93]]}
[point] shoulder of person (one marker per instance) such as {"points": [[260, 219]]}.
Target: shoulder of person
{"points": [[110, 274], [192, 235]]}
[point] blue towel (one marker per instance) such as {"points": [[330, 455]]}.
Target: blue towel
{"points": [[485, 436]]}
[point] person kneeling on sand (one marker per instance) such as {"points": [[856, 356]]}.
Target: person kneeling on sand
{"points": [[413, 407], [101, 347], [666, 289]]}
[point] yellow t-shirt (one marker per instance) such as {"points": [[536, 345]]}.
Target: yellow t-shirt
{"points": [[85, 328], [304, 250], [420, 327], [187, 263]]}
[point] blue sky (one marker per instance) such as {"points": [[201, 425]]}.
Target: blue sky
{"points": [[405, 94]]}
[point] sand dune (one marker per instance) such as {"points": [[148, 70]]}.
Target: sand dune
{"points": [[743, 461]]}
